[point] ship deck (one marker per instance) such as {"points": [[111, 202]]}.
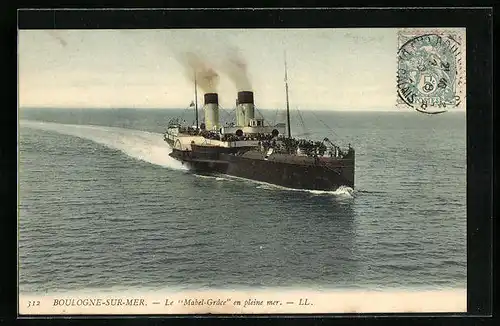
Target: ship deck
{"points": [[294, 159]]}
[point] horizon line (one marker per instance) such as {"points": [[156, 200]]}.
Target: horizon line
{"points": [[395, 110]]}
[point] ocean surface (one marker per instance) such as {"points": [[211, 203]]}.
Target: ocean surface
{"points": [[102, 206]]}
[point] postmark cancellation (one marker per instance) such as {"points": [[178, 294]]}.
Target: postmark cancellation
{"points": [[431, 68]]}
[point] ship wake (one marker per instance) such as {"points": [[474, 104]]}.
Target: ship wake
{"points": [[342, 191], [213, 177], [141, 145]]}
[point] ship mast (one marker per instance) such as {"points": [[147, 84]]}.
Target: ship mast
{"points": [[195, 100], [287, 105]]}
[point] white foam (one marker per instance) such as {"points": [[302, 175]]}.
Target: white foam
{"points": [[342, 191], [142, 145], [202, 176], [213, 177]]}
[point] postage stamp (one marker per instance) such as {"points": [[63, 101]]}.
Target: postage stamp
{"points": [[431, 68]]}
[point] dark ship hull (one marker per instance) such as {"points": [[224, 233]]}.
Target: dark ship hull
{"points": [[286, 170]]}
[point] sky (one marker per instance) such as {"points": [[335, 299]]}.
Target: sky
{"points": [[328, 69]]}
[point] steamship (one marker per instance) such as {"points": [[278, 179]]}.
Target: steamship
{"points": [[253, 149]]}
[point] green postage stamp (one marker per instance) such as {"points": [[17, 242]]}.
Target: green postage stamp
{"points": [[431, 68]]}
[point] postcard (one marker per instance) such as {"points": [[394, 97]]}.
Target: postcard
{"points": [[242, 171]]}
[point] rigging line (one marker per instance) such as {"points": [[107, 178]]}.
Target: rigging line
{"points": [[327, 126], [257, 112], [304, 128], [196, 100], [184, 112], [289, 133], [261, 114], [228, 114], [266, 121], [222, 109], [275, 117]]}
